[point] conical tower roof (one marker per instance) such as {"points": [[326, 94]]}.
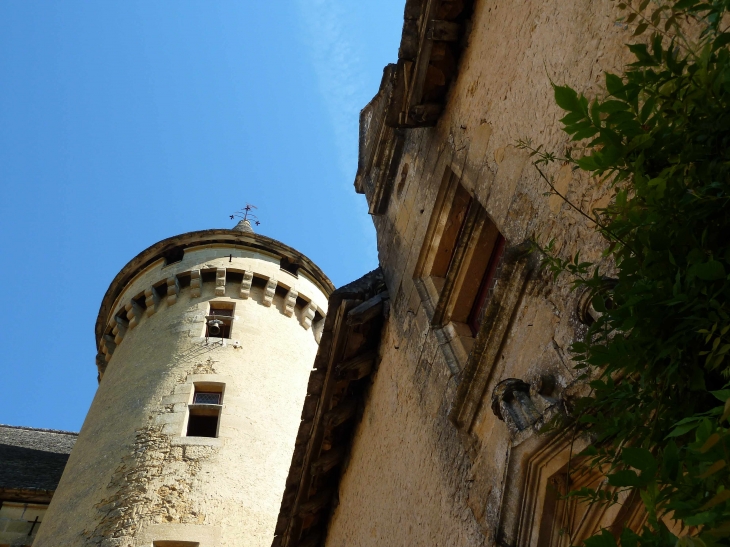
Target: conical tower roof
{"points": [[244, 226]]}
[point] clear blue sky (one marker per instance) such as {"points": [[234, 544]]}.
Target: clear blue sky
{"points": [[122, 123]]}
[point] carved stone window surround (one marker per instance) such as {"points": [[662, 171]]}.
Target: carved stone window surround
{"points": [[518, 266], [532, 466], [441, 295]]}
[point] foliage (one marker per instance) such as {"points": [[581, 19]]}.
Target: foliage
{"points": [[658, 358]]}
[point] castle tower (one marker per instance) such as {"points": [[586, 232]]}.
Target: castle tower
{"points": [[206, 341]]}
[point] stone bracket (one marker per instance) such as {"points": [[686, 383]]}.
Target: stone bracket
{"points": [[151, 301], [119, 330], [196, 284], [245, 291], [134, 313], [308, 315], [173, 289], [290, 302], [269, 292], [220, 282]]}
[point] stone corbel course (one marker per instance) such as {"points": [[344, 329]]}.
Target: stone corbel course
{"points": [[290, 302], [269, 292], [220, 282], [245, 291], [173, 289], [196, 284], [151, 301], [134, 313], [130, 314]]}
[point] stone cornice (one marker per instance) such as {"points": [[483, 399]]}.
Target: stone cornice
{"points": [[194, 239]]}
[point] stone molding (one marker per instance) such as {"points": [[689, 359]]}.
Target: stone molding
{"points": [[232, 240], [518, 266], [131, 313]]}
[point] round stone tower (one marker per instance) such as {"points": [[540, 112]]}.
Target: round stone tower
{"points": [[206, 341]]}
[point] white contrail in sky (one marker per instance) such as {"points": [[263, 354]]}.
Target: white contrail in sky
{"points": [[339, 73], [339, 69]]}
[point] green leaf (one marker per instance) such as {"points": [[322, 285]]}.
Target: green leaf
{"points": [[700, 518], [722, 40], [629, 538], [624, 477], [587, 163], [709, 271], [680, 430], [604, 539], [585, 133], [685, 4], [640, 51], [614, 85], [670, 461], [610, 107], [722, 395], [638, 458], [573, 118], [567, 98]]}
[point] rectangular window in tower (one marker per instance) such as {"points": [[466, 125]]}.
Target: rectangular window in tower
{"points": [[219, 320], [205, 411]]}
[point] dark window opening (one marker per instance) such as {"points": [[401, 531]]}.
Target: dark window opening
{"points": [[281, 291], [218, 322], [161, 289], [140, 301], [204, 414], [234, 277], [288, 266], [121, 316], [173, 255], [207, 275], [183, 280], [258, 282], [301, 303], [202, 426]]}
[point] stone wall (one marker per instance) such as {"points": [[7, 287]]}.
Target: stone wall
{"points": [[415, 477]]}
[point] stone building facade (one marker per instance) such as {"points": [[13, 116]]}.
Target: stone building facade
{"points": [[402, 409], [473, 356]]}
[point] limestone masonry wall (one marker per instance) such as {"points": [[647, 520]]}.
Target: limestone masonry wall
{"points": [[432, 464]]}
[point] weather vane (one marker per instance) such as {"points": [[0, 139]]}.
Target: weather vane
{"points": [[246, 214]]}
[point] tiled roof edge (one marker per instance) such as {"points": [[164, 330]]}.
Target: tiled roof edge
{"points": [[26, 428]]}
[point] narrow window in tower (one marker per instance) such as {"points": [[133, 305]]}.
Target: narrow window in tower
{"points": [[205, 411], [219, 320]]}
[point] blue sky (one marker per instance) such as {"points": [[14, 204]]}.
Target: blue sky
{"points": [[122, 123]]}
